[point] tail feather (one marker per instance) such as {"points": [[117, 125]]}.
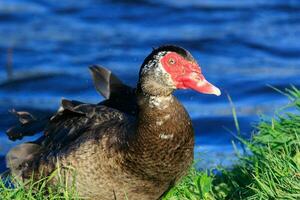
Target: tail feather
{"points": [[28, 125], [23, 116]]}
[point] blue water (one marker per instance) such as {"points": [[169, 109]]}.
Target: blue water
{"points": [[242, 46]]}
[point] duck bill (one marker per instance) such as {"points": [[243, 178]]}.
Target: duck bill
{"points": [[198, 83]]}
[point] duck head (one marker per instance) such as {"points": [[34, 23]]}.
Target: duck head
{"points": [[171, 67]]}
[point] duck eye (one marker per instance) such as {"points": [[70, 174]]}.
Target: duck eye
{"points": [[171, 61]]}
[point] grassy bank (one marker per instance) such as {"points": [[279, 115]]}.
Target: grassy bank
{"points": [[37, 190], [269, 170]]}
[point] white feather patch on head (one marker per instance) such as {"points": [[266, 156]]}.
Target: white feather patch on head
{"points": [[160, 71], [151, 64], [156, 65]]}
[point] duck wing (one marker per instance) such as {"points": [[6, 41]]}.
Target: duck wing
{"points": [[75, 119], [117, 94], [74, 122], [105, 82]]}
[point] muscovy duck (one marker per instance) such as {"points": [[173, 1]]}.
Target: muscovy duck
{"points": [[132, 149]]}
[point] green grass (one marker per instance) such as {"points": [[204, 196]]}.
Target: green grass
{"points": [[37, 190], [270, 168]]}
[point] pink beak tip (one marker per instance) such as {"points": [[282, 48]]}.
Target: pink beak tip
{"points": [[217, 91]]}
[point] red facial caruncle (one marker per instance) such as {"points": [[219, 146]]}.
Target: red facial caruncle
{"points": [[187, 74]]}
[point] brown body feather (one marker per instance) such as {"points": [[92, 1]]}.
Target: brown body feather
{"points": [[117, 154]]}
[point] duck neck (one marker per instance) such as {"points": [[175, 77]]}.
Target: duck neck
{"points": [[164, 135], [162, 120]]}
